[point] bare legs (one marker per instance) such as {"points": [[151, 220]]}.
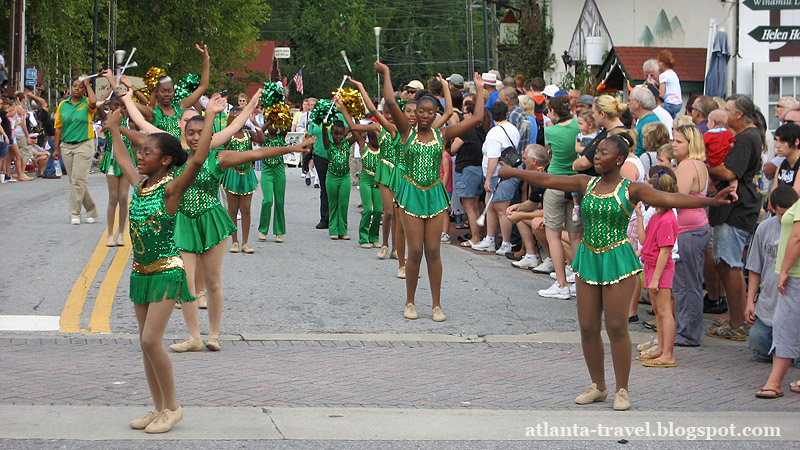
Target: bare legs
{"points": [[733, 280], [400, 238], [189, 309], [211, 267], [241, 203], [610, 301], [423, 237], [153, 319], [664, 307], [117, 199], [470, 205]]}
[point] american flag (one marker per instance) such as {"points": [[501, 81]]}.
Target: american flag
{"points": [[298, 81]]}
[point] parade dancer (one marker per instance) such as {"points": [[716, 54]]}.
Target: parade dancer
{"points": [[240, 181], [605, 263], [158, 278], [420, 194], [165, 115], [337, 181], [273, 187]]}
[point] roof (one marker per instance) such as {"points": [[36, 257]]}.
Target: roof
{"points": [[626, 63]]}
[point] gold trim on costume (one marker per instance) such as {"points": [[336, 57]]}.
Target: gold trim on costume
{"points": [[607, 247], [170, 262], [367, 171], [236, 193], [608, 195], [416, 185], [147, 191], [138, 243], [242, 172], [417, 215], [388, 163], [606, 283]]}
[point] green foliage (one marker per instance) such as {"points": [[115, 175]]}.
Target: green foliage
{"points": [[583, 79], [531, 55]]}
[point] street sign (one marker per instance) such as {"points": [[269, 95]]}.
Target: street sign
{"points": [[761, 5], [283, 52], [776, 34], [30, 77]]}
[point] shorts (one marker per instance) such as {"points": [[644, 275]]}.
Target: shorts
{"points": [[3, 150], [469, 182], [506, 190], [785, 326], [25, 150], [665, 282], [558, 212], [729, 244]]}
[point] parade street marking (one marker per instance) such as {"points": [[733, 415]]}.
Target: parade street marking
{"points": [[29, 323], [71, 315], [101, 313]]}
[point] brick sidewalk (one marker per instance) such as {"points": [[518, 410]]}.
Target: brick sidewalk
{"points": [[81, 371]]}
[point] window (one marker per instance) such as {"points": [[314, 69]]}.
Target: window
{"points": [[780, 87]]}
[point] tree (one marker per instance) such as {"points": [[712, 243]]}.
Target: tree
{"points": [[531, 54]]}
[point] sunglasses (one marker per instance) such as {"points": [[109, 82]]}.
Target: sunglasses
{"points": [[411, 91], [786, 122]]}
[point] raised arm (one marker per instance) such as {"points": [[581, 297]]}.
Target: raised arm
{"points": [[644, 192], [136, 114], [204, 77], [256, 133], [90, 94], [476, 118], [178, 186], [228, 158], [42, 102], [326, 140], [127, 83], [112, 84], [382, 121], [121, 155], [448, 105], [223, 136], [566, 183], [400, 121]]}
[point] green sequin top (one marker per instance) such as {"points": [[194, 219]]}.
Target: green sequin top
{"points": [[369, 160], [339, 159], [388, 148], [423, 161], [275, 161], [168, 123], [110, 139], [606, 216], [242, 144], [151, 229], [203, 194]]}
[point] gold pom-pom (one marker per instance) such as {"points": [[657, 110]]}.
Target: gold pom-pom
{"points": [[351, 99], [278, 116], [150, 80]]}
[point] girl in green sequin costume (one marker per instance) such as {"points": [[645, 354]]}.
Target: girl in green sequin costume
{"points": [[273, 187], [240, 181], [420, 193], [158, 278], [118, 186], [605, 264], [165, 115], [338, 180]]}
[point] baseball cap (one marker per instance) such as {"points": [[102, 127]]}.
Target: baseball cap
{"points": [[550, 90], [414, 84], [456, 79], [560, 93], [586, 100]]}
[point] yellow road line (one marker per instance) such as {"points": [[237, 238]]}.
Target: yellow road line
{"points": [[101, 313], [71, 315]]}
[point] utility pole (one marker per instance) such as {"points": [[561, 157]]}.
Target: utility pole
{"points": [[495, 28], [470, 42], [94, 45], [410, 53], [487, 64]]}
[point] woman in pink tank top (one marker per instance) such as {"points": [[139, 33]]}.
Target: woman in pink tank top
{"points": [[694, 234]]}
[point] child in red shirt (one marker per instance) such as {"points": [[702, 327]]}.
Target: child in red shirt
{"points": [[718, 139]]}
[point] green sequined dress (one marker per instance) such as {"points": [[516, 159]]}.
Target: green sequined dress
{"points": [[420, 192], [168, 123], [386, 172], [605, 255], [241, 179], [370, 160], [202, 221], [157, 265], [108, 165], [275, 161]]}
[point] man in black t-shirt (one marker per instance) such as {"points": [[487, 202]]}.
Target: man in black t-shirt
{"points": [[735, 223]]}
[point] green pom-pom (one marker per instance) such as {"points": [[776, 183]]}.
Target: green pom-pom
{"points": [[401, 104], [321, 110], [185, 86], [271, 94]]}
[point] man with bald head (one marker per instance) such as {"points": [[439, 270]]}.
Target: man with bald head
{"points": [[701, 108]]}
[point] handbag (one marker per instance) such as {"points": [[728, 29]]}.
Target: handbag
{"points": [[510, 155]]}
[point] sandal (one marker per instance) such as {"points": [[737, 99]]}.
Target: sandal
{"points": [[794, 386], [462, 226], [658, 363], [467, 244], [774, 394]]}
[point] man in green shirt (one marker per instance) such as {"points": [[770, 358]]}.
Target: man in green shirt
{"points": [[74, 142]]}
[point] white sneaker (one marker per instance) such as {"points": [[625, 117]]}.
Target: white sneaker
{"points": [[555, 291], [445, 238], [484, 246], [573, 291], [570, 274], [505, 247], [75, 221], [526, 263], [90, 220], [545, 267]]}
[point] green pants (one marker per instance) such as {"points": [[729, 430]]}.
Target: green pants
{"points": [[273, 188], [338, 187], [369, 229]]}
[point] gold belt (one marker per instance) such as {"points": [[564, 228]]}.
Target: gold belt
{"points": [[607, 247], [170, 262], [242, 172]]}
